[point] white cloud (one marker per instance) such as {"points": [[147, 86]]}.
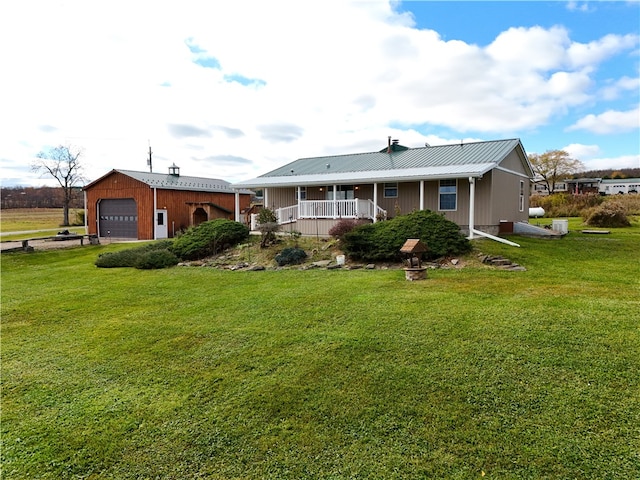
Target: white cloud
{"points": [[611, 121], [234, 89], [591, 157], [582, 152], [615, 88], [626, 161]]}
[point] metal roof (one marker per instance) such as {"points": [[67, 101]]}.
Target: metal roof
{"points": [[179, 182], [443, 161]]}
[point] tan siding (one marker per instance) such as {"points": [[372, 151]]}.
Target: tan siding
{"points": [[513, 162], [506, 198]]}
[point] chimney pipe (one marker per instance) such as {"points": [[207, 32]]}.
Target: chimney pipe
{"points": [[389, 144]]}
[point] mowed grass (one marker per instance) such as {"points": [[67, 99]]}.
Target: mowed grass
{"points": [[200, 373], [31, 219]]}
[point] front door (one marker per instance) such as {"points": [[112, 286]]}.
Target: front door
{"points": [[161, 224]]}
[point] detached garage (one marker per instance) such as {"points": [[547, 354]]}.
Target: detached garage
{"points": [[148, 206]]}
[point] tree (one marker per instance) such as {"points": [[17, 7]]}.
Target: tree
{"points": [[63, 164], [554, 166]]}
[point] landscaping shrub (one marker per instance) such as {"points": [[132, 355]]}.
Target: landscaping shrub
{"points": [[131, 256], [156, 259], [209, 238], [343, 226], [291, 256], [382, 241], [267, 226], [609, 214]]}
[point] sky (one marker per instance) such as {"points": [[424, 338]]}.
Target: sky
{"points": [[233, 90]]}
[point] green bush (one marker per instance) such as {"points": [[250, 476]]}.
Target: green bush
{"points": [[382, 241], [209, 238], [291, 256], [131, 256], [156, 259], [610, 214]]}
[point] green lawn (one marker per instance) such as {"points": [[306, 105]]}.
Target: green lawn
{"points": [[193, 372]]}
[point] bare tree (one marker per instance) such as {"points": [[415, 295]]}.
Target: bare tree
{"points": [[63, 164], [553, 166]]}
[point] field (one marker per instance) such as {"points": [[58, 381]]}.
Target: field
{"points": [[46, 221], [193, 372]]}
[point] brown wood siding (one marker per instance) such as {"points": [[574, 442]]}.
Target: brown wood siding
{"points": [[178, 203], [118, 185]]}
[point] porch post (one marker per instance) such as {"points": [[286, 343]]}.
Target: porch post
{"points": [[472, 206], [421, 194], [237, 205], [265, 193], [375, 202], [335, 201]]}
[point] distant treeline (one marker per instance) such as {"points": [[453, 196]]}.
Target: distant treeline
{"points": [[38, 197], [610, 173]]}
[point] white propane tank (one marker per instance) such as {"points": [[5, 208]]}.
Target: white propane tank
{"points": [[536, 212]]}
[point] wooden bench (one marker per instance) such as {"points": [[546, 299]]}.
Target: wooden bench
{"points": [[93, 239]]}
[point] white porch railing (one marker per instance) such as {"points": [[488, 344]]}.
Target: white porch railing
{"points": [[355, 208], [287, 214]]}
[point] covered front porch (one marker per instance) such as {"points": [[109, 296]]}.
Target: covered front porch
{"points": [[356, 208]]}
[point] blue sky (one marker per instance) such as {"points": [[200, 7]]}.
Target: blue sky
{"points": [[232, 90]]}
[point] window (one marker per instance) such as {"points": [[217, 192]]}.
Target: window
{"points": [[390, 190], [521, 199], [303, 193], [448, 194], [344, 192], [160, 218]]}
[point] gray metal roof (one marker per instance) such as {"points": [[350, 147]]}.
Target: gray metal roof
{"points": [[443, 161], [180, 182]]}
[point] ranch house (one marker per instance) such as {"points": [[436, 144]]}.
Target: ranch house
{"points": [[478, 185], [149, 206]]}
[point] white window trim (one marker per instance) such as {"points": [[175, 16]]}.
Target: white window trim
{"points": [[456, 194], [384, 189], [521, 196]]}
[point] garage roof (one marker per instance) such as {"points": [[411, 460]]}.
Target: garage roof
{"points": [[177, 182]]}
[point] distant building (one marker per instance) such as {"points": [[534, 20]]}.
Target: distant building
{"points": [[589, 185], [619, 186]]}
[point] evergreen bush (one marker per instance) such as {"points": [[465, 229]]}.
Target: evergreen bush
{"points": [[382, 241], [209, 238], [131, 256], [156, 259], [291, 256]]}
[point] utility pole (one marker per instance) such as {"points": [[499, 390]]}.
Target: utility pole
{"points": [[149, 160]]}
